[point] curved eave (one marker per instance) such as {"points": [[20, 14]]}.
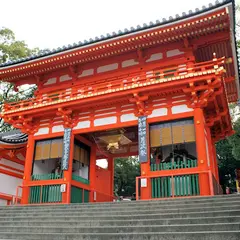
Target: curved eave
{"points": [[13, 139], [12, 146], [81, 54]]}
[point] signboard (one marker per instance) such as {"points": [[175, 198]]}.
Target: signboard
{"points": [[63, 188], [143, 182], [66, 148], [142, 139]]}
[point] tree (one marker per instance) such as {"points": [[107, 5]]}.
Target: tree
{"points": [[12, 49], [125, 172], [227, 162], [228, 150]]}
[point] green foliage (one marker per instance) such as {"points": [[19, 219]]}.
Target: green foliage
{"points": [[228, 150], [234, 140], [12, 49], [125, 172]]}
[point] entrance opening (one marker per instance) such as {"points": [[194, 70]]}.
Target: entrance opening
{"points": [[117, 167], [126, 169]]}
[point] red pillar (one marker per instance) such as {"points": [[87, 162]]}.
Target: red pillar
{"points": [[28, 169], [210, 149], [93, 172], [66, 197], [215, 161], [204, 181], [145, 190], [111, 169]]}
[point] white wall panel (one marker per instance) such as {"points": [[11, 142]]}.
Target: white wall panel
{"points": [[155, 57], [128, 117], [42, 131], [82, 124], [8, 184], [105, 121], [58, 128], [11, 164], [181, 109], [158, 112]]}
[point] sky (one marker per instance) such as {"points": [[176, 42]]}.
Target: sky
{"points": [[54, 23]]}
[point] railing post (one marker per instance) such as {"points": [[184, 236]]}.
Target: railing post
{"points": [[173, 195], [41, 193]]}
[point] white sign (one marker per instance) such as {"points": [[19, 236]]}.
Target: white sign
{"points": [[143, 182], [63, 188], [94, 196]]}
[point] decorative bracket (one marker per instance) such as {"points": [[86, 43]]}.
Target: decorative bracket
{"points": [[140, 101], [22, 122], [67, 116]]}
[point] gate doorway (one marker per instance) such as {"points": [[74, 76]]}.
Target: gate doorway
{"points": [[116, 162]]}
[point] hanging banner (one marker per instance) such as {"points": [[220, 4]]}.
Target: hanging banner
{"points": [[142, 139], [66, 148]]}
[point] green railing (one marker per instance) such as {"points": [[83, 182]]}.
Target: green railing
{"points": [[189, 163], [45, 194], [80, 179], [177, 186], [50, 176], [79, 195]]}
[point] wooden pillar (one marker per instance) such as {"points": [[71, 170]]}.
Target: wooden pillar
{"points": [[28, 169], [93, 172], [215, 161], [145, 190], [212, 160], [111, 169], [201, 145], [67, 174]]}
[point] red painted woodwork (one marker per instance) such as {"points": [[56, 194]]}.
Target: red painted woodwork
{"points": [[192, 77]]}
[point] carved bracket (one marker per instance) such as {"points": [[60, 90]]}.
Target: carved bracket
{"points": [[24, 123], [140, 101], [68, 117]]}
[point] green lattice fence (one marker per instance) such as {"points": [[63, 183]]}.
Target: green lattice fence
{"points": [[174, 165], [50, 176], [45, 194], [79, 195], [183, 185]]}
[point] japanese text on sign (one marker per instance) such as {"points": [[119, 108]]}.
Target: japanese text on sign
{"points": [[142, 139], [66, 148]]}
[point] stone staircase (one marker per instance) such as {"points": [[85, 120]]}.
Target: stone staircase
{"points": [[179, 219]]}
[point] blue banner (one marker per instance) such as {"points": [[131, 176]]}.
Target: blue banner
{"points": [[66, 148], [142, 139]]}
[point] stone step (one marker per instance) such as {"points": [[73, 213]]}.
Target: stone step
{"points": [[133, 222], [177, 201], [221, 235], [119, 207], [126, 229], [52, 213], [106, 216]]}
